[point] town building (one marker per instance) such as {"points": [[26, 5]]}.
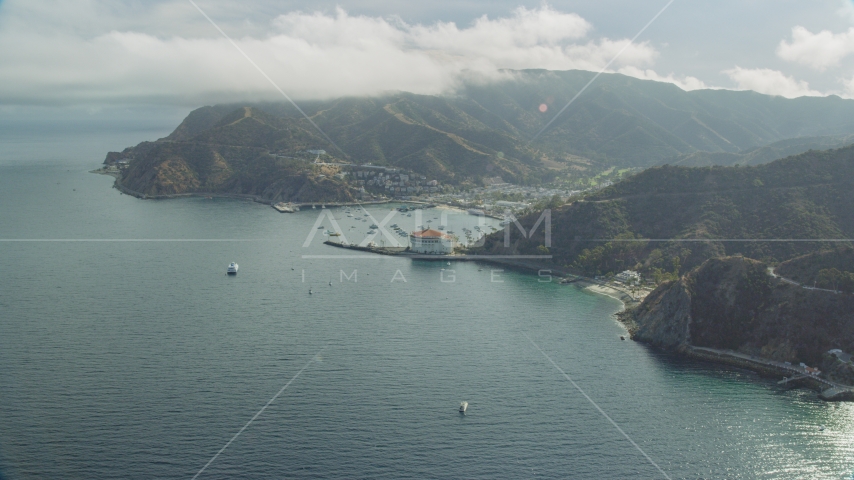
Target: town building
{"points": [[628, 276], [842, 356], [431, 242]]}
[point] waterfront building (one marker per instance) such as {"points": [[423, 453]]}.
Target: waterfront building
{"points": [[431, 242]]}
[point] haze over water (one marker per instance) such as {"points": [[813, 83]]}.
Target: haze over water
{"points": [[142, 359]]}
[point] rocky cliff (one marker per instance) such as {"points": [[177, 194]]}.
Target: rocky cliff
{"points": [[732, 303]]}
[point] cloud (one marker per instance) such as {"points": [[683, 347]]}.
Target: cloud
{"points": [[685, 83], [62, 54], [770, 82], [817, 50], [846, 10], [848, 86]]}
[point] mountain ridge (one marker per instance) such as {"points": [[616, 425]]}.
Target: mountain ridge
{"points": [[484, 131]]}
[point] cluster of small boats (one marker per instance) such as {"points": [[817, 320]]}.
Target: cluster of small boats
{"points": [[400, 232], [360, 214]]}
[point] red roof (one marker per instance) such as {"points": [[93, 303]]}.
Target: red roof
{"points": [[428, 233]]}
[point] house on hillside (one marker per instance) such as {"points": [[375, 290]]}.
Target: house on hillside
{"points": [[628, 276], [842, 356]]}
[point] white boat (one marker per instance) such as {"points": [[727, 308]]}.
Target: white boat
{"points": [[232, 269], [464, 406]]}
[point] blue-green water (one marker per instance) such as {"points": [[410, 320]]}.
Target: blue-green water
{"points": [[128, 359]]}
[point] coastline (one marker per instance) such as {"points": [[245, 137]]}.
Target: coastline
{"points": [[240, 196], [526, 265], [585, 283], [827, 390]]}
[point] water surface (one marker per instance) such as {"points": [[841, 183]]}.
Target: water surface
{"points": [[141, 359]]}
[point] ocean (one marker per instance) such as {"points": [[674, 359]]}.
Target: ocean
{"points": [[126, 352]]}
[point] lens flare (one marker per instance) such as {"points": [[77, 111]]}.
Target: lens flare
{"points": [[543, 108]]}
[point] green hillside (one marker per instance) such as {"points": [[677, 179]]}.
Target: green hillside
{"points": [[484, 131], [667, 220], [760, 155]]}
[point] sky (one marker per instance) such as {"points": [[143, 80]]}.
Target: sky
{"points": [[95, 55]]}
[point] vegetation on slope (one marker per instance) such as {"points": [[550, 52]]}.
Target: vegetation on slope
{"points": [[732, 303], [484, 131], [668, 220]]}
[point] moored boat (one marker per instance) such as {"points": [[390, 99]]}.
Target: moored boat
{"points": [[232, 269]]}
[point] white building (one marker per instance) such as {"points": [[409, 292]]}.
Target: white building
{"points": [[431, 242], [628, 276]]}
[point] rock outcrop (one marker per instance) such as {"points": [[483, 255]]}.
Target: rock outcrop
{"points": [[733, 304]]}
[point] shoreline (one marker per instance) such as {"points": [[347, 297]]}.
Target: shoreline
{"points": [[255, 198], [827, 390], [241, 196], [525, 265], [586, 283]]}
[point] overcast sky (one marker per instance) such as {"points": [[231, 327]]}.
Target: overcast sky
{"points": [[95, 53]]}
